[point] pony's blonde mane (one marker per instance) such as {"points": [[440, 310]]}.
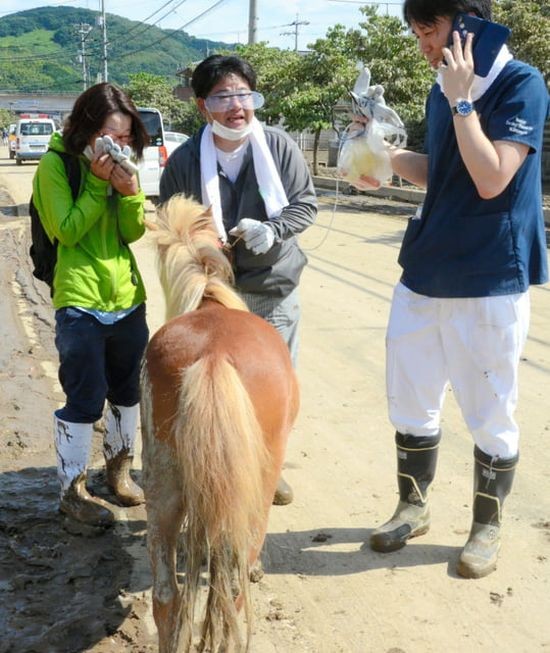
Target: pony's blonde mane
{"points": [[191, 264]]}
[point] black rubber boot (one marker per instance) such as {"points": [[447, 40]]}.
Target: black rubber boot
{"points": [[416, 463], [493, 478]]}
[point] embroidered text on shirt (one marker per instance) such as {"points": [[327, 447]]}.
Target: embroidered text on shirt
{"points": [[519, 126]]}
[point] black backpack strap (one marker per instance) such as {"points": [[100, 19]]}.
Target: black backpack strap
{"points": [[42, 251], [72, 167]]}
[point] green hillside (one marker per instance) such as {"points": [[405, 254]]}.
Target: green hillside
{"points": [[40, 49]]}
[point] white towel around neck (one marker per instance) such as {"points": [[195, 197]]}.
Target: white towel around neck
{"points": [[481, 84], [269, 183]]}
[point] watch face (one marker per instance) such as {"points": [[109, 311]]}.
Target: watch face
{"points": [[464, 107]]}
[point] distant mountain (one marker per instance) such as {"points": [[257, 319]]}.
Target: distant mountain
{"points": [[41, 49]]}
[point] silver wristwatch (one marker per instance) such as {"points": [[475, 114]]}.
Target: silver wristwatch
{"points": [[462, 108]]}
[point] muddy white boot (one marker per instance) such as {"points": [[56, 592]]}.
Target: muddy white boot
{"points": [[118, 447], [416, 463], [493, 478], [72, 446]]}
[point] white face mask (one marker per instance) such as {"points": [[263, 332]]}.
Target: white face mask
{"points": [[231, 134]]}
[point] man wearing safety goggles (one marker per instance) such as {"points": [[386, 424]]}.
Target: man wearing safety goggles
{"points": [[258, 186]]}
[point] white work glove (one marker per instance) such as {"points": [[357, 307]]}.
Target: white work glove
{"points": [[118, 154], [258, 236]]}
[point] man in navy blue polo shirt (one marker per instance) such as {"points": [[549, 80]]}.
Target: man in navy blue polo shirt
{"points": [[460, 312]]}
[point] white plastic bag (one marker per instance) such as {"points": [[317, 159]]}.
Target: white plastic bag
{"points": [[363, 152], [365, 155]]}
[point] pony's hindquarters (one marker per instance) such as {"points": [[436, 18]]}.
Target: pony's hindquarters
{"points": [[211, 468]]}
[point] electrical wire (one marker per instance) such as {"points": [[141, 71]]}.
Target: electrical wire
{"points": [[146, 26], [94, 48], [42, 57], [178, 29]]}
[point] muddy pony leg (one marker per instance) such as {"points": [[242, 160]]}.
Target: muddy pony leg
{"points": [[164, 522], [271, 481]]}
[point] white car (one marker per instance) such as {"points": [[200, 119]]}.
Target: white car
{"points": [[154, 155], [173, 140], [161, 144]]}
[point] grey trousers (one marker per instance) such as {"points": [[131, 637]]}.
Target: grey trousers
{"points": [[283, 313]]}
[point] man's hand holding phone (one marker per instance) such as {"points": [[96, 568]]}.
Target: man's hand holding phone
{"points": [[488, 39], [458, 71]]}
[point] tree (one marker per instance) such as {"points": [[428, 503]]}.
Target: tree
{"points": [[190, 119], [273, 79], [147, 90], [395, 62], [530, 23], [6, 117], [317, 81]]}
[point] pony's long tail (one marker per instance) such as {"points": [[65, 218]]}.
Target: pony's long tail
{"points": [[222, 456]]}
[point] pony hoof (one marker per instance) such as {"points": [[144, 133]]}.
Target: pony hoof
{"points": [[283, 494], [256, 572]]}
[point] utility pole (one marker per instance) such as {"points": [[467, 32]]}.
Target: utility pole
{"points": [[252, 22], [101, 21], [83, 30], [296, 23]]}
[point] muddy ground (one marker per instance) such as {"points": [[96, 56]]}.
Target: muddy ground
{"points": [[61, 589], [65, 590]]}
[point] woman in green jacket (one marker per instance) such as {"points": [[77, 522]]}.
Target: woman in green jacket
{"points": [[98, 294]]}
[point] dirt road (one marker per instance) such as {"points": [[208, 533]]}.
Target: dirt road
{"points": [[324, 590]]}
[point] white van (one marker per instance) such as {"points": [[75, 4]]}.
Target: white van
{"points": [[32, 135], [155, 155]]}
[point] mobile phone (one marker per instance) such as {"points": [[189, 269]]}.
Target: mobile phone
{"points": [[489, 37]]}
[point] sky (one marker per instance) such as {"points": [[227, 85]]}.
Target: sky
{"points": [[227, 20]]}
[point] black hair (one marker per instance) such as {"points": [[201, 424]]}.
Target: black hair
{"points": [[426, 12], [90, 112], [214, 68]]}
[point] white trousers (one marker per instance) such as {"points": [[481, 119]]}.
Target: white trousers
{"points": [[472, 343]]}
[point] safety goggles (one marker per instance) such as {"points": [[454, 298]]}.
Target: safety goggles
{"points": [[227, 101]]}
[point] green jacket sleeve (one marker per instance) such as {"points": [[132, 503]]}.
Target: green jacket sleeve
{"points": [[131, 214], [62, 217]]}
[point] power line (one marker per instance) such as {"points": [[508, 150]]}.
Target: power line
{"points": [[146, 26], [157, 11], [96, 47], [178, 29], [42, 57]]}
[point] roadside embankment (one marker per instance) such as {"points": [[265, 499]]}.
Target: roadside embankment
{"points": [[403, 193]]}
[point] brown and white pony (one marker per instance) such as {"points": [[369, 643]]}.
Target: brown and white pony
{"points": [[219, 397]]}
